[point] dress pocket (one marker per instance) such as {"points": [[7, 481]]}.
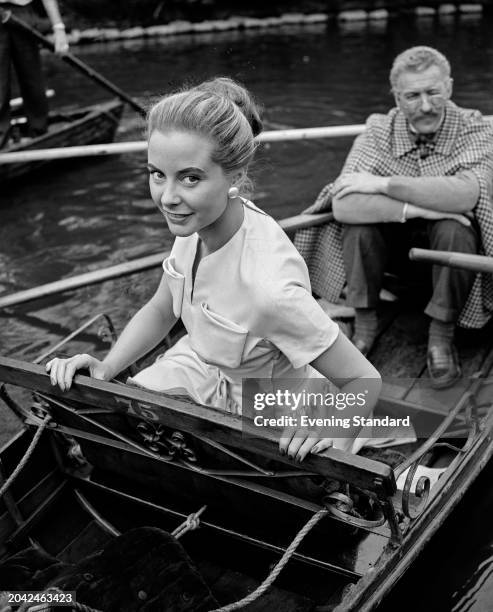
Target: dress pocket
{"points": [[218, 341], [176, 283]]}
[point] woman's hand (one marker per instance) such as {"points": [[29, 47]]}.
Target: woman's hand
{"points": [[297, 443], [62, 371]]}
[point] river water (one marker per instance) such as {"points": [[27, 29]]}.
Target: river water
{"points": [[90, 214]]}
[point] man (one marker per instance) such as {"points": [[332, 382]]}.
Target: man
{"points": [[426, 166], [19, 50]]}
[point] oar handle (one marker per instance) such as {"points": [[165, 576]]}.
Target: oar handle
{"points": [[9, 19], [477, 263]]}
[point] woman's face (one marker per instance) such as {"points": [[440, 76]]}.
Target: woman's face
{"points": [[187, 186]]}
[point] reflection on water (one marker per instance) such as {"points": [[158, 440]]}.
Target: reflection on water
{"points": [[89, 214]]}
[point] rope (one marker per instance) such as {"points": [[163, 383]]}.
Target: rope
{"points": [[79, 607], [192, 522], [260, 590], [25, 459]]}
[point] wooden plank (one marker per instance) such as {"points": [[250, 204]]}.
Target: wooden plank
{"points": [[232, 586], [472, 356], [87, 541], [217, 425]]}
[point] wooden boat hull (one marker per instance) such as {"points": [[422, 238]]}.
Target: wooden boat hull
{"points": [[91, 125], [103, 464]]}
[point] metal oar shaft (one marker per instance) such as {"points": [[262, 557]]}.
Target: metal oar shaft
{"points": [[9, 19], [478, 263]]}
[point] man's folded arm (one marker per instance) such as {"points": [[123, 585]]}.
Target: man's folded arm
{"points": [[455, 194], [365, 208]]}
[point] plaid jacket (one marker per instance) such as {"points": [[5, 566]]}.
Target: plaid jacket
{"points": [[385, 148]]}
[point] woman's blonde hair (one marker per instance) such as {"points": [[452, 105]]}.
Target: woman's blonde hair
{"points": [[219, 109]]}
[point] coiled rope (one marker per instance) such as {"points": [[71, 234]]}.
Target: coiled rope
{"points": [[260, 590], [26, 456]]}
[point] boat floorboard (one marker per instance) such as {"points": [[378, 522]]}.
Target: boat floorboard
{"points": [[230, 586], [88, 540]]}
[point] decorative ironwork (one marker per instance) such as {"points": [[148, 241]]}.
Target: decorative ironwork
{"points": [[174, 446], [422, 492], [342, 506], [181, 447], [74, 453], [40, 408]]}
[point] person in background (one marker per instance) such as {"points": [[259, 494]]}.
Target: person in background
{"points": [[19, 51], [233, 277], [423, 170]]}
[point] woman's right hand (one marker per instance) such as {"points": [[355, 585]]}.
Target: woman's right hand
{"points": [[62, 371]]}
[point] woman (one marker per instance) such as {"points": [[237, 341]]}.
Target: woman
{"points": [[233, 276]]}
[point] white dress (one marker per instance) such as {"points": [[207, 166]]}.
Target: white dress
{"points": [[249, 314]]}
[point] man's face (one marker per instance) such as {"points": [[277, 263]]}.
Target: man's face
{"points": [[422, 96]]}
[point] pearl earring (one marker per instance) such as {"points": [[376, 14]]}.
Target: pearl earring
{"points": [[233, 192]]}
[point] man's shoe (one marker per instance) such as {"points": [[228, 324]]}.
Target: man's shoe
{"points": [[443, 365]]}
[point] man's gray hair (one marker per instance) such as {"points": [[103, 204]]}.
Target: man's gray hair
{"points": [[417, 59]]}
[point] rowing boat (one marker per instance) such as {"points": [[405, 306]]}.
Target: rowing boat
{"points": [[88, 125], [105, 458]]}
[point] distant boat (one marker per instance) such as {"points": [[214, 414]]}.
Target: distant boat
{"points": [[88, 125]]}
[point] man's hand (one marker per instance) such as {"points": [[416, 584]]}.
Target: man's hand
{"points": [[360, 182], [60, 40]]}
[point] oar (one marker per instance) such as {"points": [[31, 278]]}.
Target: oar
{"points": [[9, 19], [477, 263], [116, 148], [289, 224]]}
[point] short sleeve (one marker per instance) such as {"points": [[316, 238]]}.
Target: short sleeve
{"points": [[297, 325]]}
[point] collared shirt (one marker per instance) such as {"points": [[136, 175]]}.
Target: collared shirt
{"points": [[463, 143]]}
